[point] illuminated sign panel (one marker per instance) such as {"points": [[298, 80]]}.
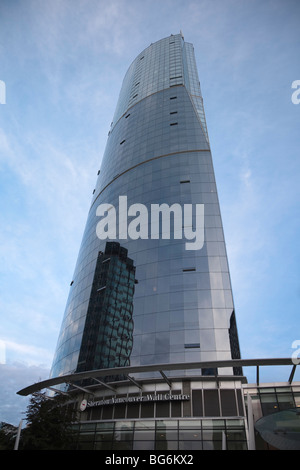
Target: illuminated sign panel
{"points": [[138, 399]]}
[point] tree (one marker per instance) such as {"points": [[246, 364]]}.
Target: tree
{"points": [[49, 424], [8, 434]]}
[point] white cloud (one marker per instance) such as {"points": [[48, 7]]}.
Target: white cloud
{"points": [[40, 233], [31, 355], [14, 377]]}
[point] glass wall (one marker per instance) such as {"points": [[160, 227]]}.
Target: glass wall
{"points": [[158, 154], [275, 399], [206, 434], [107, 337]]}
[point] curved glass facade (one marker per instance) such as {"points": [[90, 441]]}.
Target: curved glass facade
{"points": [[166, 297]]}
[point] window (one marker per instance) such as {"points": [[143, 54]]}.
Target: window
{"points": [[162, 410], [197, 403], [192, 345], [211, 403], [228, 403]]}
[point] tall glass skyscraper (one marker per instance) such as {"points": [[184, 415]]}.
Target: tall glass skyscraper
{"points": [[174, 296], [148, 352]]}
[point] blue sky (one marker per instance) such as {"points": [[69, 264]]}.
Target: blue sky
{"points": [[62, 63]]}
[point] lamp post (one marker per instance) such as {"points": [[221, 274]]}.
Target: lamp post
{"points": [[18, 435]]}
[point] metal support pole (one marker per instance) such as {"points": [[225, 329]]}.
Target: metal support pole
{"points": [[251, 443], [292, 373], [165, 378], [16, 446], [224, 441]]}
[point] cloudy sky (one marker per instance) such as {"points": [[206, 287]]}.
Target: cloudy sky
{"points": [[61, 67]]}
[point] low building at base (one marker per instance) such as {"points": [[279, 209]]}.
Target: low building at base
{"points": [[169, 412]]}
